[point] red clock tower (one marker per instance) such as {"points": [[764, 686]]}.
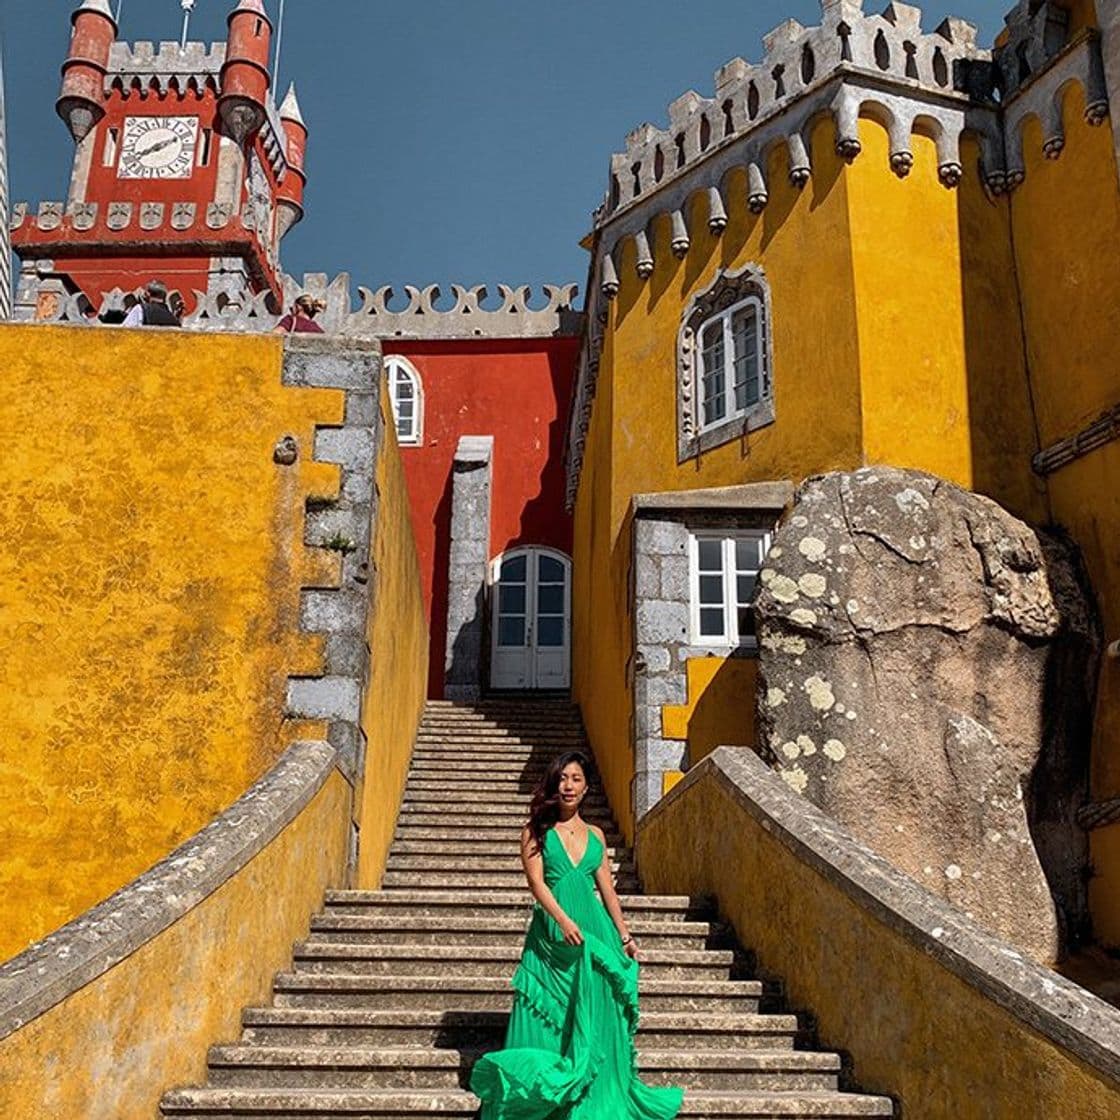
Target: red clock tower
{"points": [[184, 169]]}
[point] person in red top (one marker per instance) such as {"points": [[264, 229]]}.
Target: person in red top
{"points": [[301, 318]]}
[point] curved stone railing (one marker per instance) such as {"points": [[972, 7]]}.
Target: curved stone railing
{"points": [[143, 982], [916, 993]]}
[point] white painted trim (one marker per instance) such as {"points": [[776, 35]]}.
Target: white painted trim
{"points": [[531, 552], [730, 637], [393, 363], [726, 317]]}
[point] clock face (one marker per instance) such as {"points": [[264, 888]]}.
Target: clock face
{"points": [[158, 148]]}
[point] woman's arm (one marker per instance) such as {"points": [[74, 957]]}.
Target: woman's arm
{"points": [[610, 897], [533, 863]]}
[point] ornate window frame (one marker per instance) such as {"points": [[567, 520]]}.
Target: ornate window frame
{"points": [[397, 367], [727, 290]]}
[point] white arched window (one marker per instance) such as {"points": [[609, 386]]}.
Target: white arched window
{"points": [[406, 391]]}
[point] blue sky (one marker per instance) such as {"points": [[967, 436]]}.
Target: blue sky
{"points": [[451, 140]]}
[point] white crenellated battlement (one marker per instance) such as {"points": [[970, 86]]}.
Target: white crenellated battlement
{"points": [[164, 63], [890, 49]]}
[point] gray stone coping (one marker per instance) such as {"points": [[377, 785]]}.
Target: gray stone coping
{"points": [[749, 496], [1056, 1008], [52, 969]]}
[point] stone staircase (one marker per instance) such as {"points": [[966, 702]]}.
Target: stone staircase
{"points": [[396, 991]]}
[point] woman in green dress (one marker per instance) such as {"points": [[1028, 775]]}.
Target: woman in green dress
{"points": [[570, 1044]]}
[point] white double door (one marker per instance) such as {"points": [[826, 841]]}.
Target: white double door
{"points": [[531, 592]]}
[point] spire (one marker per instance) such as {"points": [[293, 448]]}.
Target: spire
{"points": [[256, 6], [98, 7], [290, 110]]}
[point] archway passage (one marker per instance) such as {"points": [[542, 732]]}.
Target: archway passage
{"points": [[531, 592]]}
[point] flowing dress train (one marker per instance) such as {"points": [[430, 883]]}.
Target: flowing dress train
{"points": [[570, 1043]]}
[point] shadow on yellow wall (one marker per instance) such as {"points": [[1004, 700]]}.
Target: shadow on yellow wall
{"points": [[720, 707]]}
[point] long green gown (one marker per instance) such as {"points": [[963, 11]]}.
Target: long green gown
{"points": [[570, 1044]]}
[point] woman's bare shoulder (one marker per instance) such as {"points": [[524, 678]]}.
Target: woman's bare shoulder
{"points": [[598, 832]]}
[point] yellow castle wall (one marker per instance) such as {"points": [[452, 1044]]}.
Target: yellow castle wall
{"points": [[1067, 229], [398, 638], [110, 1050], [719, 711], [150, 567], [895, 338], [802, 242]]}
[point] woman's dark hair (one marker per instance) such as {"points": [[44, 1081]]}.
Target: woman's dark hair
{"points": [[544, 809]]}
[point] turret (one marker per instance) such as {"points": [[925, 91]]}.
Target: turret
{"points": [[81, 102], [245, 76], [289, 201]]}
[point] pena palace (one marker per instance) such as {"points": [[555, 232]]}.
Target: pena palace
{"points": [[800, 514]]}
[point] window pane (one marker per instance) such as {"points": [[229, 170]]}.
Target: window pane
{"points": [[550, 570], [746, 623], [714, 382], [550, 632], [404, 410], [511, 598], [404, 429], [514, 569], [744, 334], [748, 554], [711, 589], [711, 622], [511, 630], [710, 555], [550, 599], [745, 589]]}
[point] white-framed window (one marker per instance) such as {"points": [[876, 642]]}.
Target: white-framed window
{"points": [[406, 392], [731, 371], [725, 382], [724, 571]]}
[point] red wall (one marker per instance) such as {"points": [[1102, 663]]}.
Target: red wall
{"points": [[518, 392]]}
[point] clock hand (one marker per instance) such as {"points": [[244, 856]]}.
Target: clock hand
{"points": [[158, 147]]}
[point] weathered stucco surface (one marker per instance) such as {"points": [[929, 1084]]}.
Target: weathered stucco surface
{"points": [[930, 1009], [108, 1050], [925, 677], [398, 639], [151, 561], [1071, 315]]}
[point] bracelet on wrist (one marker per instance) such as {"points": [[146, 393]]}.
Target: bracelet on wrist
{"points": [[627, 939]]}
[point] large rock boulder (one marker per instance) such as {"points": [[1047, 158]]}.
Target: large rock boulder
{"points": [[926, 677]]}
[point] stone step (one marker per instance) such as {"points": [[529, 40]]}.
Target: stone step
{"points": [[428, 801], [472, 848], [448, 861], [493, 824], [367, 929], [667, 907], [433, 770], [390, 1104], [481, 993], [333, 957], [302, 1026], [312, 1067], [462, 831], [489, 784], [467, 879], [479, 730]]}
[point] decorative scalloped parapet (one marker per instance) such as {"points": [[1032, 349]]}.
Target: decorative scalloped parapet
{"points": [[467, 318], [890, 49]]}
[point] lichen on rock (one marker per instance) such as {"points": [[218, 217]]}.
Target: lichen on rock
{"points": [[948, 674]]}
